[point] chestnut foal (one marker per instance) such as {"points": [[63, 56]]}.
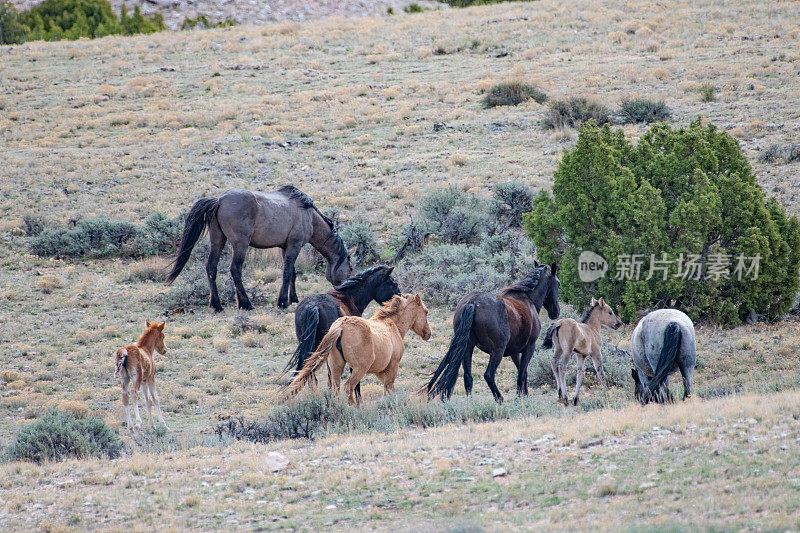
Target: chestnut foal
{"points": [[135, 368]]}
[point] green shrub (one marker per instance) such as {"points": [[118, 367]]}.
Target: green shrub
{"points": [[573, 112], [413, 8], [53, 20], [444, 273], [59, 435], [360, 236], [454, 216], [203, 22], [678, 191], [512, 93], [783, 153], [12, 31], [509, 201], [637, 110], [708, 93], [100, 237], [468, 3]]}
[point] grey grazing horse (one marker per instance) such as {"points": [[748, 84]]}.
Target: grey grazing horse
{"points": [[285, 219], [662, 343]]}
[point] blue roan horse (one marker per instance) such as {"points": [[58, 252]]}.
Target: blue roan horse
{"points": [[662, 343]]}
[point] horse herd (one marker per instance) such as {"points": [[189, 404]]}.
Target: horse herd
{"points": [[330, 330]]}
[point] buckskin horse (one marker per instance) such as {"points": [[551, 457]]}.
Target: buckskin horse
{"points": [[285, 219]]}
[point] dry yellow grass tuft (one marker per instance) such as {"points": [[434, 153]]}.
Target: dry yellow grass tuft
{"points": [[48, 283]]}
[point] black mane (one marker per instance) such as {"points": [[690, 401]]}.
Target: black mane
{"points": [[293, 193], [359, 278], [528, 283], [588, 312]]}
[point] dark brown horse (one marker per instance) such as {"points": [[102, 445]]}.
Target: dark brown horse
{"points": [[315, 313], [285, 219], [501, 325]]}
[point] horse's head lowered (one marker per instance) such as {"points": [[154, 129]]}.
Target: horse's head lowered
{"points": [[420, 324]]}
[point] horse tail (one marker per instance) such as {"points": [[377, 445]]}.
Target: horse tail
{"points": [[329, 343], [548, 337], [444, 378], [197, 220], [310, 322], [669, 352], [121, 362]]}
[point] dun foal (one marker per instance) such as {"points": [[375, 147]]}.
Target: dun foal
{"points": [[373, 346], [584, 339], [135, 368]]}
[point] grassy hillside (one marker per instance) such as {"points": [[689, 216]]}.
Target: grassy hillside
{"points": [[346, 110]]}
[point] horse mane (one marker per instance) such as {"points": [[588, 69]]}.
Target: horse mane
{"points": [[345, 301], [390, 308], [359, 278], [588, 312], [293, 193], [526, 284]]}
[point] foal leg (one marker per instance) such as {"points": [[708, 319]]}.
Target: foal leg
{"points": [[157, 402], [239, 254], [217, 240], [579, 377], [126, 402], [148, 401], [597, 361], [135, 398], [289, 257]]}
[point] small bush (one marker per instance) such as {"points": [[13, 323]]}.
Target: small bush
{"points": [[777, 153], [413, 8], [60, 435], [203, 23], [48, 283], [445, 272], [509, 201], [454, 216], [360, 235], [637, 110], [574, 111], [100, 237], [708, 93], [512, 93]]}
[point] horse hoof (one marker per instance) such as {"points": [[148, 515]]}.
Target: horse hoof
{"points": [[283, 304], [575, 401]]}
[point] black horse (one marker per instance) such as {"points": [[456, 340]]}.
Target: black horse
{"points": [[501, 325], [285, 219], [315, 314]]}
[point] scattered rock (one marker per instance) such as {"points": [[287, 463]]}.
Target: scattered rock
{"points": [[276, 461], [499, 472]]}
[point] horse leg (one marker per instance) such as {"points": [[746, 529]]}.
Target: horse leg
{"points": [[135, 398], [597, 361], [494, 361], [579, 377], [293, 289], [157, 403], [467, 364], [522, 369], [289, 257], [148, 401], [336, 366], [559, 371], [350, 385], [239, 254], [686, 373], [217, 240], [126, 398]]}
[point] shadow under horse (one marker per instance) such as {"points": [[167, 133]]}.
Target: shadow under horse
{"points": [[315, 313], [285, 219], [502, 325]]}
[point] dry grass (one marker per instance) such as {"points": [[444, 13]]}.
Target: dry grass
{"points": [[348, 116]]}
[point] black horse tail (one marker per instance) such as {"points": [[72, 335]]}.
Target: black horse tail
{"points": [[198, 218], [669, 352], [548, 337], [310, 321], [443, 380]]}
